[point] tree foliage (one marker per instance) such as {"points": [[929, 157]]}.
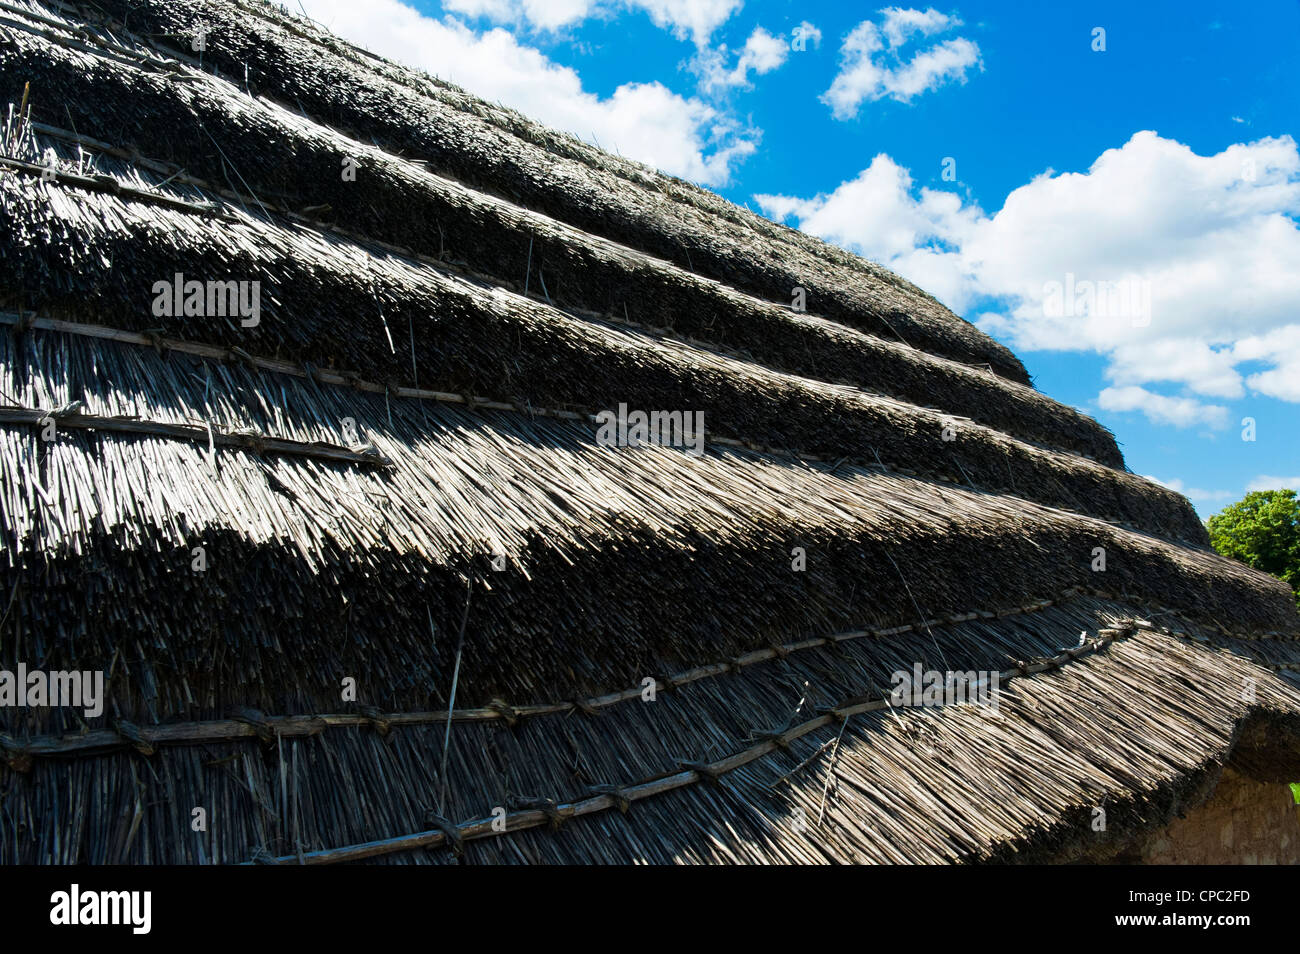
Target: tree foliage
{"points": [[1263, 530]]}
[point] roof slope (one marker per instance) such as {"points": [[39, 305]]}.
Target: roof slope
{"points": [[393, 477]]}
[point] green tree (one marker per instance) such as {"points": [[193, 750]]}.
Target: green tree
{"points": [[1263, 530]]}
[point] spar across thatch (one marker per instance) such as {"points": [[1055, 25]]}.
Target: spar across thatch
{"points": [[391, 481]]}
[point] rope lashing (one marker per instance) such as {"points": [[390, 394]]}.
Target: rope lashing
{"points": [[131, 733], [16, 756], [257, 720], [508, 713], [155, 337], [454, 838], [250, 438], [703, 769], [239, 354], [615, 792], [375, 719], [71, 409], [831, 712], [547, 806], [776, 736], [585, 707]]}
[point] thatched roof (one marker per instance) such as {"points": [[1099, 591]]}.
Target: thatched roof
{"points": [[394, 478]]}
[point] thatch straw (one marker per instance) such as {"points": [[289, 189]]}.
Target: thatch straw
{"points": [[591, 277], [252, 724], [307, 540], [396, 199], [1095, 723], [485, 341], [303, 69], [251, 440]]}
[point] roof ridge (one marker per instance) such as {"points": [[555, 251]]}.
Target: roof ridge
{"points": [[617, 163], [347, 379], [949, 331], [101, 183], [966, 395]]}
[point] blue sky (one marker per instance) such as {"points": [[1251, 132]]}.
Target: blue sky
{"points": [[1127, 219]]}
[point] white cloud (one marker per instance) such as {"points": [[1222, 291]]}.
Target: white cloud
{"points": [[1281, 347], [1209, 247], [1266, 482], [553, 14], [544, 14], [1218, 247], [901, 24], [1213, 238], [696, 19], [876, 215], [1196, 495], [646, 121], [500, 11], [871, 68], [761, 54], [931, 68], [1162, 409], [1177, 359]]}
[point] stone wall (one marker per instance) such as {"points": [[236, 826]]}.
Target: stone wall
{"points": [[1244, 822]]}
